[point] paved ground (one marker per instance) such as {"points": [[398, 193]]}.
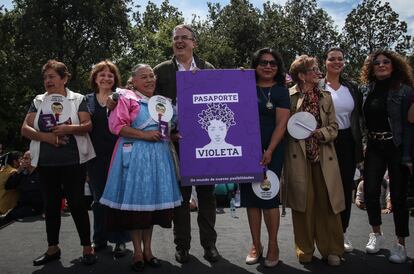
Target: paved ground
{"points": [[22, 241]]}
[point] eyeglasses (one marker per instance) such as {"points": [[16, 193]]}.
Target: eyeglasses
{"points": [[183, 37], [314, 69], [264, 63], [379, 62]]}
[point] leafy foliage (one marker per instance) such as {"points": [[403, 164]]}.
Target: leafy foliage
{"points": [[84, 32], [370, 26]]}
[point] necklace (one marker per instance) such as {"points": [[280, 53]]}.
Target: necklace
{"points": [[102, 99], [269, 104]]}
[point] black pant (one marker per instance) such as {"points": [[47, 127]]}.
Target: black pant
{"points": [[70, 180], [22, 211], [98, 172], [380, 156], [206, 218], [345, 151]]}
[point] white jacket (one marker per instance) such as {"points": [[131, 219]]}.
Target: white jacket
{"points": [[84, 144]]}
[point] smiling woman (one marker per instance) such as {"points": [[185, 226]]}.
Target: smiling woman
{"points": [[314, 190], [104, 79], [273, 101], [347, 100], [388, 94], [142, 188]]}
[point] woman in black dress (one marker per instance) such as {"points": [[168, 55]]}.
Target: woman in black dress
{"points": [[104, 80], [274, 111]]}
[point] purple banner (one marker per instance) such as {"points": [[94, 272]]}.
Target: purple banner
{"points": [[219, 123]]}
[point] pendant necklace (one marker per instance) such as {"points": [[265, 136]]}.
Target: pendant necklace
{"points": [[102, 100], [269, 104]]}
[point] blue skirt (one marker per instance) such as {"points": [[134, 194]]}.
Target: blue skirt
{"points": [[142, 177]]}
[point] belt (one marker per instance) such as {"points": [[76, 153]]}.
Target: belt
{"points": [[380, 136]]}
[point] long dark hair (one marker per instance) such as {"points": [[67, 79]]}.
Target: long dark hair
{"points": [[402, 73], [280, 75]]}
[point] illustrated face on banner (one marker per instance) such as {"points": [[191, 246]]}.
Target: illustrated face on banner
{"points": [[57, 108], [160, 108], [217, 132], [216, 120], [268, 188], [265, 185]]}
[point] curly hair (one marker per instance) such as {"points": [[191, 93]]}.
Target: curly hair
{"points": [[301, 65], [402, 73], [280, 74], [216, 111], [100, 67]]}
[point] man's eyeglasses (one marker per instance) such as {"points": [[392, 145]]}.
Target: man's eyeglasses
{"points": [[314, 69], [264, 63], [379, 62], [182, 37]]}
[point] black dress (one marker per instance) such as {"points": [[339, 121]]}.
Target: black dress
{"points": [[279, 97]]}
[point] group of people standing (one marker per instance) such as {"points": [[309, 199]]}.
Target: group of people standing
{"points": [[134, 176]]}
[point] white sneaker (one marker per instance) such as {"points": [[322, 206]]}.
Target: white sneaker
{"points": [[347, 244], [398, 254], [375, 243]]}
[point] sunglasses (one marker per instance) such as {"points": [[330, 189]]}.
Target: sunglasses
{"points": [[379, 62], [264, 63], [182, 37]]}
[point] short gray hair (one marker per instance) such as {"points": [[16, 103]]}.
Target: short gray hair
{"points": [[187, 27], [138, 67]]}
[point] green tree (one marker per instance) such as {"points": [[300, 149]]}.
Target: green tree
{"points": [[13, 93], [373, 25], [151, 34], [307, 29], [77, 32], [230, 33], [211, 44]]}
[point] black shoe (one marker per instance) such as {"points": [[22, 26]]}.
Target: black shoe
{"points": [[88, 259], [99, 246], [181, 255], [119, 250], [153, 262], [46, 258], [138, 266], [211, 254]]}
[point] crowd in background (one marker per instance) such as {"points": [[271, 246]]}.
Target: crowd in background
{"points": [[133, 171]]}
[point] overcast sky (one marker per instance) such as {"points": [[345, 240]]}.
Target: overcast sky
{"points": [[337, 9]]}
